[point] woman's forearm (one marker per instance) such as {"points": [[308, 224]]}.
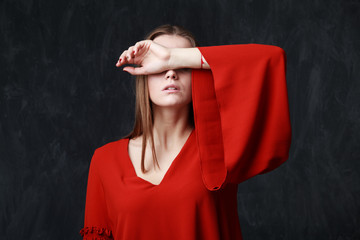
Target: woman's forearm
{"points": [[187, 58], [153, 58]]}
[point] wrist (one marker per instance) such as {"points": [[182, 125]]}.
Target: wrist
{"points": [[184, 58]]}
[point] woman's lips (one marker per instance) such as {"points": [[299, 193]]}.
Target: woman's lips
{"points": [[171, 91], [171, 88]]}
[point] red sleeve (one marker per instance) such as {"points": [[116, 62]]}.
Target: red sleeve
{"points": [[241, 112], [96, 224]]}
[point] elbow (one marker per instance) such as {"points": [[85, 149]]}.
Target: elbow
{"points": [[277, 57], [277, 52]]}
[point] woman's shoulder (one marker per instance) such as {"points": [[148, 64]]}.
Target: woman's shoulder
{"points": [[113, 147], [110, 156]]}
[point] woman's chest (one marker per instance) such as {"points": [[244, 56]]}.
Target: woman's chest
{"points": [[155, 171], [182, 186]]}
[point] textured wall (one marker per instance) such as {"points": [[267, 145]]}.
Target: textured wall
{"points": [[61, 97]]}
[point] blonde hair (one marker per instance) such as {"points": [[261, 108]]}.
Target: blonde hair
{"points": [[143, 111]]}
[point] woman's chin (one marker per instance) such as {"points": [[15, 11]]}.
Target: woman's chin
{"points": [[172, 104]]}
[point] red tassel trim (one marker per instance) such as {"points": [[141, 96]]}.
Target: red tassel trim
{"points": [[103, 233]]}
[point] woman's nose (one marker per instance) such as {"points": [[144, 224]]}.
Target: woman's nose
{"points": [[171, 74]]}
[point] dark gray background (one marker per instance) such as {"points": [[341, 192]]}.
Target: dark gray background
{"points": [[61, 97]]}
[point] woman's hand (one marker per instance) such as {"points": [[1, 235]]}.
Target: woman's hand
{"points": [[151, 57]]}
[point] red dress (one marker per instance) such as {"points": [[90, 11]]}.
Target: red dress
{"points": [[242, 128]]}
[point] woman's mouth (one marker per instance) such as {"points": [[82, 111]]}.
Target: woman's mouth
{"points": [[171, 88]]}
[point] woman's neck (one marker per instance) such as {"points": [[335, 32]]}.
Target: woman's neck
{"points": [[171, 126]]}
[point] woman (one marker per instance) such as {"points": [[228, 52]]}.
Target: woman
{"points": [[207, 118]]}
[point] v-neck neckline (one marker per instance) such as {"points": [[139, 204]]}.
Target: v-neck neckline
{"points": [[169, 170]]}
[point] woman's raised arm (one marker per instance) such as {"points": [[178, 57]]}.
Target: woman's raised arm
{"points": [[153, 58]]}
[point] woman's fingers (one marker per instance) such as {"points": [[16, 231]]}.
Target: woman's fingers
{"points": [[129, 55], [150, 57], [135, 70], [122, 59], [136, 48]]}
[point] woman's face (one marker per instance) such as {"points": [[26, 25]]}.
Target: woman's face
{"points": [[171, 88]]}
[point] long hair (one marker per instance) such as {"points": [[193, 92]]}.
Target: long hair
{"points": [[143, 110]]}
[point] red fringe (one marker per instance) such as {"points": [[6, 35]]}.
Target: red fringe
{"points": [[104, 233]]}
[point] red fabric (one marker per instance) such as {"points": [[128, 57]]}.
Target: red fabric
{"points": [[247, 91], [242, 128]]}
